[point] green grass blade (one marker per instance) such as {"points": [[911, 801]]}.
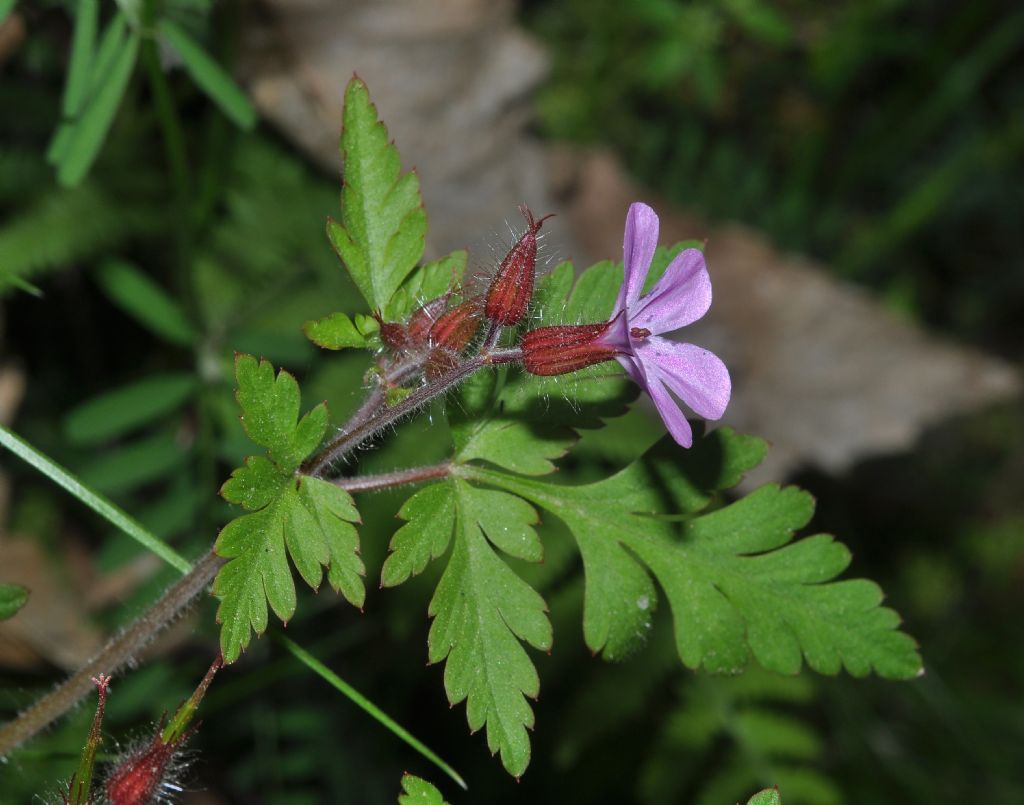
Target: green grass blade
{"points": [[83, 45], [361, 701], [90, 131], [145, 301], [6, 7], [210, 76], [100, 64], [121, 410], [99, 504]]}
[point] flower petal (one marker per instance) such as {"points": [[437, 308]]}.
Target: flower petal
{"points": [[671, 415], [697, 376], [633, 369], [680, 297], [638, 245]]}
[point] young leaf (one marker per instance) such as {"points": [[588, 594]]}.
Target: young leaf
{"points": [[12, 598], [736, 586], [334, 332], [427, 282], [770, 796], [270, 413], [210, 76], [482, 610], [309, 520], [146, 302], [430, 518], [86, 139], [380, 237], [416, 791], [296, 516], [121, 410]]}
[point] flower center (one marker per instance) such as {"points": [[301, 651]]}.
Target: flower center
{"points": [[639, 332]]}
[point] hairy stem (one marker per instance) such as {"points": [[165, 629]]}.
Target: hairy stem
{"points": [[351, 437], [387, 480], [122, 649]]}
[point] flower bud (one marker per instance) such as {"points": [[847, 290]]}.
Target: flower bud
{"points": [[565, 348], [142, 775], [512, 287], [148, 772], [423, 319], [455, 328], [393, 335]]}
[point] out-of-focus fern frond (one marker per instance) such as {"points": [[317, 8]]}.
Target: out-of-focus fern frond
{"points": [[65, 226], [737, 734]]}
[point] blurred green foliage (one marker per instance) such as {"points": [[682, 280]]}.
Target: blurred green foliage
{"points": [[884, 136]]}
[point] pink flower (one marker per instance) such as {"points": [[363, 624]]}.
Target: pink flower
{"points": [[660, 366], [632, 336]]}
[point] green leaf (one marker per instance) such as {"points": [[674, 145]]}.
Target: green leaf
{"points": [[90, 68], [146, 302], [121, 410], [87, 137], [482, 610], [83, 44], [380, 237], [426, 283], [736, 585], [12, 598], [334, 332], [6, 7], [291, 515], [306, 519], [135, 464], [210, 76], [416, 791], [270, 410], [90, 223], [770, 796], [430, 519]]}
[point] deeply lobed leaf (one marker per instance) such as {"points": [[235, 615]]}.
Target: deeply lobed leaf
{"points": [[481, 608], [380, 236], [306, 519], [737, 585], [270, 410]]}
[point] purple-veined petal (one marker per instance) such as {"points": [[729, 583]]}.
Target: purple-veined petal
{"points": [[680, 297], [698, 377], [671, 415], [638, 245]]}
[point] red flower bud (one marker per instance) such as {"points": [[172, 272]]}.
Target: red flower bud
{"points": [[140, 776], [512, 287], [455, 328], [424, 317], [395, 336], [565, 348]]}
